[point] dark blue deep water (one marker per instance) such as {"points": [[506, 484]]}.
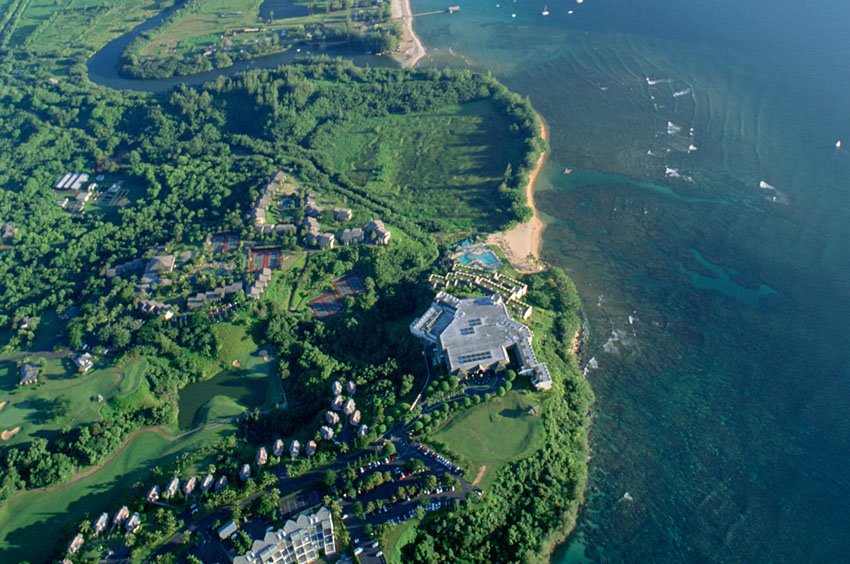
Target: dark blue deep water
{"points": [[707, 225]]}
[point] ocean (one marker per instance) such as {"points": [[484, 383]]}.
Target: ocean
{"points": [[706, 222]]}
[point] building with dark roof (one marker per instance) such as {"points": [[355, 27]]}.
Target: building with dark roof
{"points": [[29, 374]]}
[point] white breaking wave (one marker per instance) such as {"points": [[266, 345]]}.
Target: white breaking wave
{"points": [[681, 93], [592, 364], [675, 173], [692, 148], [618, 338], [765, 186], [652, 82], [673, 129]]}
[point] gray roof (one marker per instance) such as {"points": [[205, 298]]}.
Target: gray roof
{"points": [[161, 263], [472, 332], [29, 373]]}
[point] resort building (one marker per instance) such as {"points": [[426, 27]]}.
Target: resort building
{"points": [[378, 231], [161, 264], [153, 494], [28, 374], [172, 488], [262, 456], [133, 523], [207, 483], [336, 388], [343, 214], [304, 540], [277, 448], [189, 486], [76, 544], [121, 516], [354, 419], [353, 236], [84, 362], [245, 472], [349, 407], [227, 530], [221, 483], [9, 231], [337, 403], [351, 387], [326, 433], [100, 523], [294, 449], [478, 335], [332, 418], [310, 448], [362, 431]]}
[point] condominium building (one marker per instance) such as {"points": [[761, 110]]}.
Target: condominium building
{"points": [[304, 540]]}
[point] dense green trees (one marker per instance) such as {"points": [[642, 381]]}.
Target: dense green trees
{"points": [[534, 501]]}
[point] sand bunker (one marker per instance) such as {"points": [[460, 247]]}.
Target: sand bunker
{"points": [[9, 433]]}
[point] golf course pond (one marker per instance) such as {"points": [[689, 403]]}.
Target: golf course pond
{"points": [[228, 394]]}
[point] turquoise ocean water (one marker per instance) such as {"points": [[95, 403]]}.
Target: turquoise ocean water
{"points": [[707, 225]]}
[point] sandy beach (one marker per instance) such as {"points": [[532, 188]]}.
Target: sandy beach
{"points": [[410, 50], [521, 244]]}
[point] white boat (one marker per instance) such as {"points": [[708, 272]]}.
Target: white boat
{"points": [[513, 15], [569, 12], [545, 11], [838, 144]]}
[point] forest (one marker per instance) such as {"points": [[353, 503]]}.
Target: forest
{"points": [[196, 158], [200, 157]]}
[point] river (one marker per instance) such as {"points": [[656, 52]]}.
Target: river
{"points": [[103, 66]]}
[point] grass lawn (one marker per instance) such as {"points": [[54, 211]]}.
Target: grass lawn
{"points": [[234, 343], [396, 538], [202, 28], [278, 290], [32, 523], [494, 433], [57, 31], [252, 383], [445, 164], [61, 398]]}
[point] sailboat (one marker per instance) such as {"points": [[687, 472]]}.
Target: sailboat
{"points": [[545, 10]]}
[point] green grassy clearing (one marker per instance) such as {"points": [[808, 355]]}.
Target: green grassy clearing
{"points": [[253, 383], [204, 27], [57, 31], [279, 291], [396, 537], [38, 409], [234, 343], [25, 519], [445, 165], [494, 433], [218, 408]]}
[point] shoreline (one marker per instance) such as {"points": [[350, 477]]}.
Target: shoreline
{"points": [[410, 50], [521, 244]]}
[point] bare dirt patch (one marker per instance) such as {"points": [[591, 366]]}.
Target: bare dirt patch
{"points": [[480, 476]]}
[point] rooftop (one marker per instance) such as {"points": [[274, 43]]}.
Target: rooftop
{"points": [[471, 332]]}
